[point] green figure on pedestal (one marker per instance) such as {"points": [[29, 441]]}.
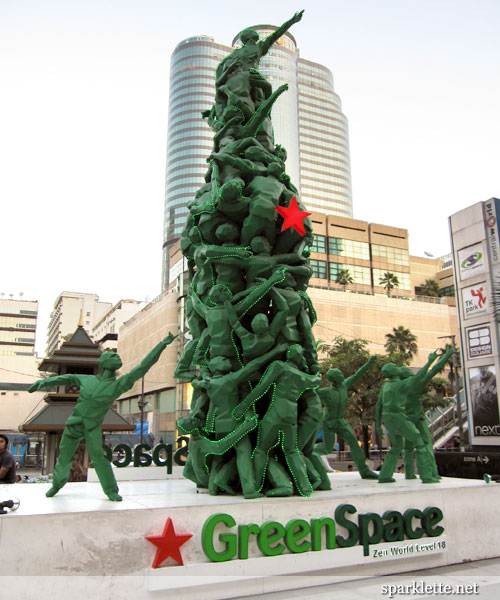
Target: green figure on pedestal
{"points": [[97, 394], [416, 413], [390, 410], [335, 399]]}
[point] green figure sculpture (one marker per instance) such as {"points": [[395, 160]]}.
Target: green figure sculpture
{"points": [[223, 391], [390, 410], [279, 424], [334, 399], [416, 413], [247, 303], [97, 394], [200, 448]]}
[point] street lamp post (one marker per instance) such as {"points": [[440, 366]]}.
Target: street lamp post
{"points": [[142, 404], [456, 391]]}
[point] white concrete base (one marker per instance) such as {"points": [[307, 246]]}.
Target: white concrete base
{"points": [[151, 473], [80, 533]]}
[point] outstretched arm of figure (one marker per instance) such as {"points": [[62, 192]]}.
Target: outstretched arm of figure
{"points": [[198, 305], [350, 380], [206, 446], [259, 292], [257, 363], [127, 381], [235, 322], [440, 364], [243, 165], [219, 252], [282, 312], [275, 36], [423, 376], [269, 377], [68, 379]]}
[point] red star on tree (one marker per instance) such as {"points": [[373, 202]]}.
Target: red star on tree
{"points": [[293, 216], [168, 544]]}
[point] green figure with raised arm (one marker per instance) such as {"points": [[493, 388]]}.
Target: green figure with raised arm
{"points": [[416, 413], [390, 410], [334, 399], [223, 391], [97, 394], [278, 426]]}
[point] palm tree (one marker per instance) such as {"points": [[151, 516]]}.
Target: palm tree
{"points": [[389, 281], [344, 278], [430, 288], [401, 341]]}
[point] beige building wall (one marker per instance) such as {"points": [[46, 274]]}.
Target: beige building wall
{"points": [[353, 315], [17, 405], [113, 319], [136, 338]]}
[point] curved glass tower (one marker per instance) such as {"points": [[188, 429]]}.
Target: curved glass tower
{"points": [[307, 120]]}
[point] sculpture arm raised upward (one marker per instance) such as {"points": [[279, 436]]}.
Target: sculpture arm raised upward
{"points": [[127, 381], [350, 380], [269, 377], [282, 313], [275, 36], [259, 292], [235, 322]]}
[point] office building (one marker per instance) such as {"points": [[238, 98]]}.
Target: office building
{"points": [[307, 120], [18, 361], [69, 308]]}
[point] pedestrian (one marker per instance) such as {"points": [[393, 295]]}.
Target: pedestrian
{"points": [[7, 462]]}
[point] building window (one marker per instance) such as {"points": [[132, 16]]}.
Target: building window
{"points": [[319, 244], [403, 278], [318, 268], [449, 290], [349, 248], [395, 256], [361, 275]]}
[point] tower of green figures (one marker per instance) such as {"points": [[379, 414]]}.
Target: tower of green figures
{"points": [[252, 361]]}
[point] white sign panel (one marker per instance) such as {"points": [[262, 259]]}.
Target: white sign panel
{"points": [[471, 261], [475, 300], [479, 341], [491, 223]]}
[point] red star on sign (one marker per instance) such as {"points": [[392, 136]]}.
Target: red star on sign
{"points": [[293, 216], [168, 544]]}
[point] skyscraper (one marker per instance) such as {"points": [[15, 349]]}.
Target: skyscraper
{"points": [[307, 120]]}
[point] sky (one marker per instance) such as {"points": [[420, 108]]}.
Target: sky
{"points": [[84, 90]]}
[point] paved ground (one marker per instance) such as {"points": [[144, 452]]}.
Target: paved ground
{"points": [[480, 579]]}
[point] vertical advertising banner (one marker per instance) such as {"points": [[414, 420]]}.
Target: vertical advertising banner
{"points": [[471, 261], [491, 212], [479, 341], [476, 300], [484, 402]]}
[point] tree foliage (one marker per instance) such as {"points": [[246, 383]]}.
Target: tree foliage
{"points": [[344, 278], [430, 288], [389, 281], [401, 341]]}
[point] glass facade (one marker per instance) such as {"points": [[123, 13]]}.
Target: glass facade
{"points": [[395, 256], [349, 248], [403, 278], [307, 120], [361, 275]]}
